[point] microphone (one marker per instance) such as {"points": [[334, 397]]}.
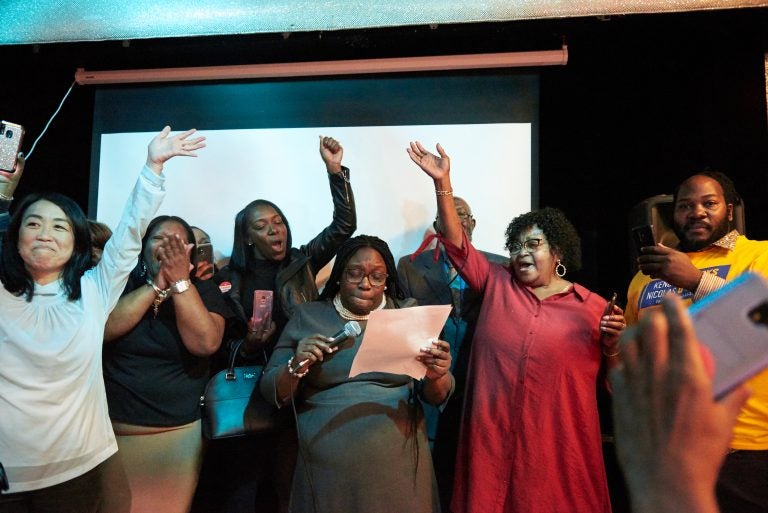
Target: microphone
{"points": [[350, 329]]}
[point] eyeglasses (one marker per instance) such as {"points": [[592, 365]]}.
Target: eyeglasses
{"points": [[530, 245], [464, 216], [355, 276]]}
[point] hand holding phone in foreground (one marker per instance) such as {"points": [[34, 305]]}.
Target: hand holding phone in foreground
{"points": [[671, 434], [9, 180]]}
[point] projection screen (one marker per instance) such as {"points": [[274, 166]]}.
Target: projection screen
{"points": [[263, 143]]}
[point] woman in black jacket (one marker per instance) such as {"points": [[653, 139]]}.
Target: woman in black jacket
{"points": [[263, 258]]}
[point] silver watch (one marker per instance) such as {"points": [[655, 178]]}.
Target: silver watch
{"points": [[180, 286]]}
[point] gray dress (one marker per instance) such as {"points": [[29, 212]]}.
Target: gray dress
{"points": [[362, 443]]}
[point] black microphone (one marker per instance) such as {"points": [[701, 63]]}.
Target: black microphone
{"points": [[350, 329]]}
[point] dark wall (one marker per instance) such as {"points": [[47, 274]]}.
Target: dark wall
{"points": [[643, 101]]}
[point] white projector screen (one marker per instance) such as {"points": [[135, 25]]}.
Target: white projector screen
{"points": [[395, 200], [263, 143]]}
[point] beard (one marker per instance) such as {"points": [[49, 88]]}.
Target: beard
{"points": [[718, 232]]}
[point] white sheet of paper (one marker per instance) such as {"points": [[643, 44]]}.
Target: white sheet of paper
{"points": [[393, 338]]}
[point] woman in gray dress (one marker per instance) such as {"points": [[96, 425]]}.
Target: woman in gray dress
{"points": [[362, 443]]}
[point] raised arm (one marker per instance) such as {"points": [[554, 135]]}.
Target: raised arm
{"points": [[123, 247], [332, 153], [439, 168], [323, 247], [162, 148], [8, 183]]}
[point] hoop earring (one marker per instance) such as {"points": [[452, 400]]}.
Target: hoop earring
{"points": [[560, 269]]}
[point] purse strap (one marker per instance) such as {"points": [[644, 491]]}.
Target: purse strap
{"points": [[234, 352]]}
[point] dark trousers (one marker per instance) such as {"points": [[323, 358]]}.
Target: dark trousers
{"points": [[79, 495], [249, 474], [742, 486]]}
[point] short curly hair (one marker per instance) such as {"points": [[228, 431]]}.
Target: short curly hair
{"points": [[558, 230]]}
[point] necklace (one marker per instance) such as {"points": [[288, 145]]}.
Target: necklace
{"points": [[346, 314]]}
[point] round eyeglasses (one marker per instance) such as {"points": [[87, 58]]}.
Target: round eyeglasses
{"points": [[530, 245], [356, 276]]}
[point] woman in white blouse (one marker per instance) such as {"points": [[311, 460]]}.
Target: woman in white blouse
{"points": [[55, 432]]}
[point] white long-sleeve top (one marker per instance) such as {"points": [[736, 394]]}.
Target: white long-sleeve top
{"points": [[54, 424]]}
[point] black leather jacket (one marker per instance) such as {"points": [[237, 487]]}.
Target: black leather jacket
{"points": [[295, 281]]}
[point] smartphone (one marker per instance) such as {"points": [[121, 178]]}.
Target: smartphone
{"points": [[643, 236], [11, 136], [733, 324], [203, 253], [262, 308], [609, 307]]}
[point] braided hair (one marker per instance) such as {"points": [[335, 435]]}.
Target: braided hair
{"points": [[349, 248]]}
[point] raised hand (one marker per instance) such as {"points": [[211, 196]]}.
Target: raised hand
{"points": [[9, 181], [332, 152], [437, 167], [163, 147]]}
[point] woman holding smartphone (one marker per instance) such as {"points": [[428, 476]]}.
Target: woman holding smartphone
{"points": [[264, 259], [55, 434]]}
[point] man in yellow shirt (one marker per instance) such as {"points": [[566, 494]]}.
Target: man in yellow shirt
{"points": [[709, 255]]}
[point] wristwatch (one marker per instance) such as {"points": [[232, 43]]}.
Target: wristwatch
{"points": [[180, 286]]}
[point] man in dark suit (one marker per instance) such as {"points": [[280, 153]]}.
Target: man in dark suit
{"points": [[429, 277]]}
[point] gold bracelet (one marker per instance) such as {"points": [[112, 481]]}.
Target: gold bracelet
{"points": [[160, 295], [444, 193], [611, 355]]}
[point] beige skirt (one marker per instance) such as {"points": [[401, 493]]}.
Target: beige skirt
{"points": [[156, 469]]}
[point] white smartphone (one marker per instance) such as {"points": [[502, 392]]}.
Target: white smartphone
{"points": [[733, 324]]}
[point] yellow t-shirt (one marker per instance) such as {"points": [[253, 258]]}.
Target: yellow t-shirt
{"points": [[751, 430]]}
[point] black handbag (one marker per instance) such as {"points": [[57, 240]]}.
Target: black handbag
{"points": [[232, 405]]}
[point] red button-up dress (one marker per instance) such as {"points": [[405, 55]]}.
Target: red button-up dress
{"points": [[530, 435]]}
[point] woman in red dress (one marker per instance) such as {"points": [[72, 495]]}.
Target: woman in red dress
{"points": [[530, 438]]}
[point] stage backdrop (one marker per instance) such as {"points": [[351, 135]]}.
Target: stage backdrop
{"points": [[263, 143]]}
